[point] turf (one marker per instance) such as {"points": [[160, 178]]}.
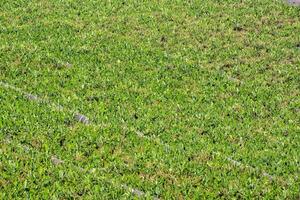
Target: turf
{"points": [[154, 99]]}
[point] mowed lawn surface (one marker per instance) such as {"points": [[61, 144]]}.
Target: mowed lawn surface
{"points": [[185, 99]]}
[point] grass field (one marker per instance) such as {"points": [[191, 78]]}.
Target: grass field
{"points": [[149, 99]]}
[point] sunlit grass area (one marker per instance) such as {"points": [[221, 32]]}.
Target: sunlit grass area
{"points": [[149, 100]]}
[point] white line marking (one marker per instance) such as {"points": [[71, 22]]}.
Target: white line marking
{"points": [[237, 163], [83, 119], [234, 162], [137, 192], [79, 117]]}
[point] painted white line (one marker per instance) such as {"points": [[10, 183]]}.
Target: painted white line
{"points": [[31, 97], [77, 116], [56, 161], [293, 2], [137, 192], [134, 191], [5, 85], [83, 119], [239, 164], [232, 161]]}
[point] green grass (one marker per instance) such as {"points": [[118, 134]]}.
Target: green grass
{"points": [[185, 99]]}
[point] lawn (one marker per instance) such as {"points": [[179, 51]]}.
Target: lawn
{"points": [[149, 99]]}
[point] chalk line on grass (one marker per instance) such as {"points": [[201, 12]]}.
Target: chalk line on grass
{"points": [[137, 192], [79, 117], [293, 2], [83, 119], [232, 161], [134, 191], [239, 164]]}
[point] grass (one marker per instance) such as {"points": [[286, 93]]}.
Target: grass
{"points": [[184, 99]]}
